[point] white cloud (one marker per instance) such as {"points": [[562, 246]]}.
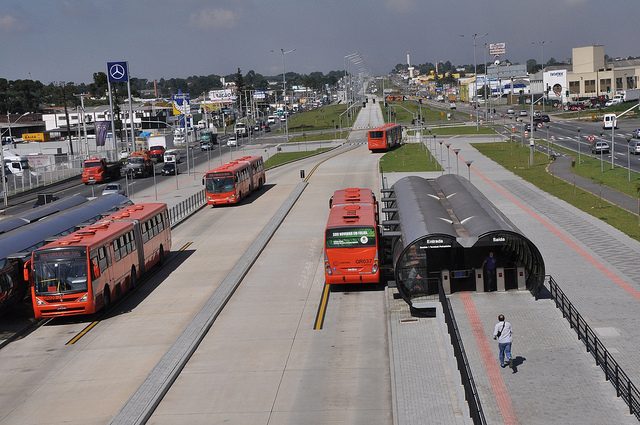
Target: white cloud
{"points": [[214, 19], [10, 23], [402, 6]]}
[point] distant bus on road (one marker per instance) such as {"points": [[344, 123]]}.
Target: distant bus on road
{"points": [[385, 137], [351, 238], [231, 182]]}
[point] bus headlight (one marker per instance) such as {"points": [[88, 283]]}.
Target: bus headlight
{"points": [[374, 268], [327, 268], [40, 302], [82, 299]]}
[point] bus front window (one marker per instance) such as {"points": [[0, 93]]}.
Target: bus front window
{"points": [[220, 184], [60, 271]]}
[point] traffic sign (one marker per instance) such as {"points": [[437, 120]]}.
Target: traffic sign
{"points": [[118, 72], [591, 138]]}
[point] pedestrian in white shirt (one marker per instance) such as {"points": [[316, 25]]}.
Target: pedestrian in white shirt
{"points": [[503, 332]]}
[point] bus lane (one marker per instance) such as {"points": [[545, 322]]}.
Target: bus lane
{"points": [[262, 362], [102, 369]]}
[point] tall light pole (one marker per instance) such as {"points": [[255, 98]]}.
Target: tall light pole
{"points": [[475, 72], [541, 44], [284, 92], [469, 167], [457, 151], [448, 145]]}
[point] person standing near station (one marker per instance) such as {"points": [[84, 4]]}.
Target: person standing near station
{"points": [[503, 332], [489, 266]]}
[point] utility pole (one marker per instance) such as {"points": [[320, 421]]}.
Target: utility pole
{"points": [[66, 114]]}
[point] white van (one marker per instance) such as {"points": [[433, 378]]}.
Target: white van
{"points": [[271, 119], [609, 121]]}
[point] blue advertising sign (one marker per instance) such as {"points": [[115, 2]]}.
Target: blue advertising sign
{"points": [[117, 72]]}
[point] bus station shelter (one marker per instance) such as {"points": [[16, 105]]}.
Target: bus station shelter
{"points": [[444, 231]]}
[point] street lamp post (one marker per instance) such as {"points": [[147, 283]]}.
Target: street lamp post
{"points": [[469, 167], [628, 160], [441, 157], [284, 92], [578, 147], [475, 72], [457, 151], [448, 145]]}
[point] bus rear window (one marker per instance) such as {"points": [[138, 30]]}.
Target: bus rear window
{"points": [[376, 134], [351, 237]]}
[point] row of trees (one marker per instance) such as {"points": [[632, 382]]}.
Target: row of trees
{"points": [[443, 67], [19, 96]]}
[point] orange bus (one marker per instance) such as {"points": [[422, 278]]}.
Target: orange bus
{"points": [[351, 242], [385, 137], [231, 182], [84, 271]]}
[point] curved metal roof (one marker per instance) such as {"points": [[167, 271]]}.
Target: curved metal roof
{"points": [[30, 235], [18, 220]]}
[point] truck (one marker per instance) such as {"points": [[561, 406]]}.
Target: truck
{"points": [[99, 170], [172, 155], [208, 138], [35, 137], [627, 95], [16, 164], [139, 164], [158, 145]]}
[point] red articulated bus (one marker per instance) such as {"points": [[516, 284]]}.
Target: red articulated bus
{"points": [[351, 242], [384, 138], [84, 271], [231, 182]]}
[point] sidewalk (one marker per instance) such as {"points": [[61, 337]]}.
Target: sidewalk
{"points": [[561, 168]]}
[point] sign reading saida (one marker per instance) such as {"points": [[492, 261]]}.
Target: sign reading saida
{"points": [[35, 137]]}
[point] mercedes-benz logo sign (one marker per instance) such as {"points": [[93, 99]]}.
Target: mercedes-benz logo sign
{"points": [[116, 71]]}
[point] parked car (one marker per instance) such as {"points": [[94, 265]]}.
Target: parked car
{"points": [[511, 112], [634, 147], [170, 169], [523, 113], [256, 127], [232, 141], [636, 133], [452, 105], [600, 147], [113, 188]]}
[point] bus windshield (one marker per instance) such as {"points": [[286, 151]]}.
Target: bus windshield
{"points": [[220, 184], [351, 237], [60, 271]]}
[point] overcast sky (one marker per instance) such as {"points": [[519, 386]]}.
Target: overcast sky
{"points": [[69, 40]]}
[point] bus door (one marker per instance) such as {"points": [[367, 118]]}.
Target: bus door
{"points": [[139, 241]]}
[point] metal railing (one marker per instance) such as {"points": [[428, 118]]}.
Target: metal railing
{"points": [[612, 371], [184, 209], [33, 178], [470, 390]]}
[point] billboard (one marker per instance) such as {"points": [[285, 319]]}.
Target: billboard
{"points": [[497, 49], [555, 84], [222, 96], [118, 72], [259, 95], [102, 128], [181, 103]]}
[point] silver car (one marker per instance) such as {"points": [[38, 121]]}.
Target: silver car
{"points": [[113, 188]]}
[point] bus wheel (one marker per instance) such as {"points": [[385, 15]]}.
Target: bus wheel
{"points": [[133, 280], [106, 298], [161, 256]]}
